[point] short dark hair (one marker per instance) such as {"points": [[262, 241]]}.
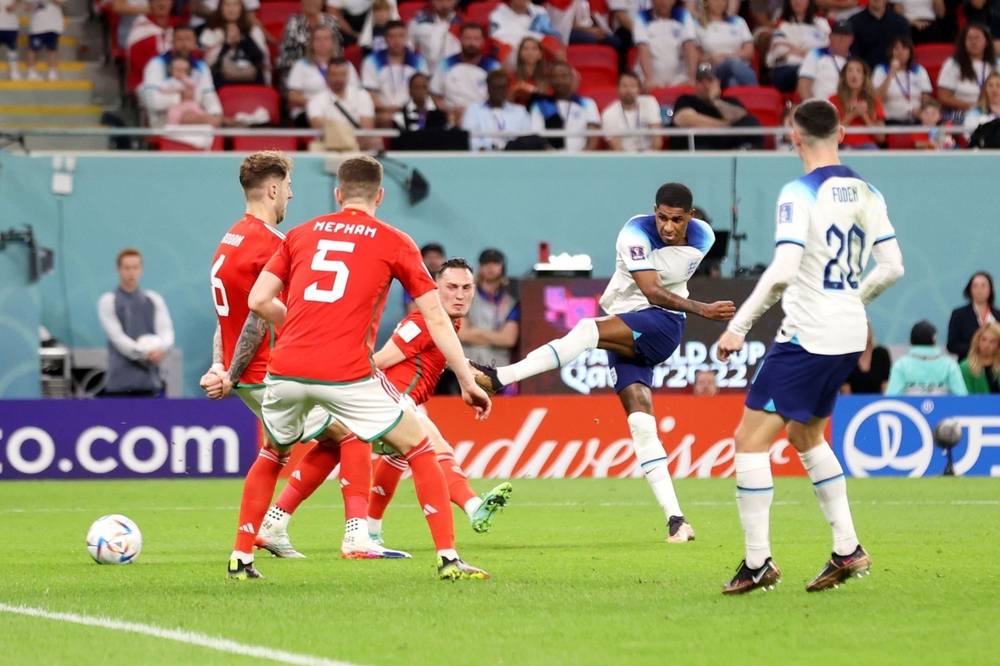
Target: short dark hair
{"points": [[262, 166], [497, 74], [469, 25], [184, 26], [628, 73], [907, 44], [817, 118], [417, 75], [675, 195], [359, 178], [967, 292], [923, 333], [432, 247], [340, 62], [454, 262], [395, 23]]}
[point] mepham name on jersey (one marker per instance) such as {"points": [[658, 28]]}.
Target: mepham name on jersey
{"points": [[232, 239], [340, 227]]}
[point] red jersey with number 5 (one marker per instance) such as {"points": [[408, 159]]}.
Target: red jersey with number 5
{"points": [[418, 374], [238, 261], [337, 270]]}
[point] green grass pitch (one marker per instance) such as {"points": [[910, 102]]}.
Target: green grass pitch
{"points": [[581, 575]]}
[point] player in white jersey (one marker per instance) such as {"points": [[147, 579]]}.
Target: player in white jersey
{"points": [[646, 301], [830, 222]]}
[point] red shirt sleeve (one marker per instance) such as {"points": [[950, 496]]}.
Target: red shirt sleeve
{"points": [[280, 262], [409, 268], [412, 337], [879, 110]]}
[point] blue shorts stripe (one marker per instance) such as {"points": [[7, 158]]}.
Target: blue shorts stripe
{"points": [[820, 484], [755, 491], [556, 354], [652, 462]]}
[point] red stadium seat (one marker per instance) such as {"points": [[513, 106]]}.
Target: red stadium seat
{"points": [[273, 12], [669, 96], [479, 12], [408, 10], [596, 63], [763, 102], [256, 142], [901, 141], [353, 55], [177, 146], [603, 96], [249, 98], [931, 57]]}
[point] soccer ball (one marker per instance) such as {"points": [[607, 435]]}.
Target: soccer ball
{"points": [[114, 539], [947, 433]]}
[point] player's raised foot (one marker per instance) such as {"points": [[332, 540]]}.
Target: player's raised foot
{"points": [[240, 571], [840, 568], [459, 570], [275, 540], [486, 377], [747, 579], [353, 548], [680, 530], [493, 501]]}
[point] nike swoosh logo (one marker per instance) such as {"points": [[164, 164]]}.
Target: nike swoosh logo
{"points": [[756, 579]]}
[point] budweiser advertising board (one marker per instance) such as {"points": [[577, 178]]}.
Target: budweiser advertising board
{"points": [[576, 436], [551, 307]]}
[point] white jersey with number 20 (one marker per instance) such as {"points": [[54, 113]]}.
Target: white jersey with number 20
{"points": [[837, 218]]}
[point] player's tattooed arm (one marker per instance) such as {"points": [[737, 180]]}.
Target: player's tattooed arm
{"points": [[217, 346], [246, 346], [649, 283]]}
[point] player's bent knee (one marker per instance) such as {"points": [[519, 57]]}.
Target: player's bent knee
{"points": [[406, 435]]}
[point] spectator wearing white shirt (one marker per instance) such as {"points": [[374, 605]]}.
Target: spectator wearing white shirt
{"points": [[460, 80], [925, 18], [307, 78], [578, 23], [43, 33], [665, 45], [988, 108], [344, 103], [726, 42], [798, 32], [433, 32], [419, 113], [902, 85], [386, 74], [509, 24], [820, 71], [962, 75], [632, 111], [565, 110], [9, 26], [496, 114], [158, 98]]}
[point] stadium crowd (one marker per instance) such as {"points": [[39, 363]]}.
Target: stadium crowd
{"points": [[424, 68]]}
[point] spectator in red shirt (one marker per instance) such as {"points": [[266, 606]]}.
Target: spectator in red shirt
{"points": [[531, 74], [150, 36], [857, 104]]}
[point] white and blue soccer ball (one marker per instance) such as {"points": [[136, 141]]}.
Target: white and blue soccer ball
{"points": [[114, 539]]}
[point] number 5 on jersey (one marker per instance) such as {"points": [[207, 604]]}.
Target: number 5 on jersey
{"points": [[338, 268]]}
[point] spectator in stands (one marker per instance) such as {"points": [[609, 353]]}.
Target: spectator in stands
{"points": [[988, 108], [622, 22], [665, 43], [984, 12], [307, 78], [577, 23], [707, 108], [139, 332], [930, 116], [981, 368], [381, 17], [858, 105], [419, 113], [925, 18], [158, 97], [298, 31], [925, 370], [490, 331], [149, 36], [432, 32], [565, 110], [962, 75], [10, 24], [496, 114], [798, 33], [127, 11], [968, 319], [766, 14], [839, 10], [460, 80], [352, 16], [632, 111], [726, 42], [344, 103], [531, 75], [203, 10], [871, 374], [706, 383], [819, 72], [188, 109], [44, 30], [434, 256], [386, 74], [902, 84], [235, 48], [875, 29], [509, 24]]}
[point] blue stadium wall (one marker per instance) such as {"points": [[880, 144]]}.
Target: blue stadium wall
{"points": [[176, 208]]}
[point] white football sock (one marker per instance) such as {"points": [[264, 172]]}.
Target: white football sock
{"points": [[356, 528], [449, 554], [374, 525], [471, 506], [553, 355], [653, 461], [245, 558], [831, 490], [754, 494], [276, 519]]}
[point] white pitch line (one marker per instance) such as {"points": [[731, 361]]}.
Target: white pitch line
{"points": [[179, 635]]}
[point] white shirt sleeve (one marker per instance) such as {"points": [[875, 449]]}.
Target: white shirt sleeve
{"points": [[590, 112], [162, 324], [537, 119], [366, 105], [744, 30], [924, 81], [792, 218], [807, 70], [649, 111], [879, 76], [949, 76], [471, 123], [972, 120], [611, 119], [436, 84], [634, 248], [640, 31], [318, 106], [113, 328], [369, 75], [888, 269], [210, 101], [296, 76], [522, 121], [688, 33]]}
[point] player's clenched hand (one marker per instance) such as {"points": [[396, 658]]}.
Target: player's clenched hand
{"points": [[719, 311], [211, 383], [477, 398], [729, 342]]}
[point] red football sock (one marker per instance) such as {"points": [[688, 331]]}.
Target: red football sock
{"points": [[458, 485], [258, 489], [388, 472], [432, 493], [313, 469], [355, 476]]}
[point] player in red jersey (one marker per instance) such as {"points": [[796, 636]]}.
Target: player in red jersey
{"points": [[413, 363], [335, 272], [240, 352]]}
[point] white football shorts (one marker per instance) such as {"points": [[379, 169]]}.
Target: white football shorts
{"points": [[317, 420]]}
